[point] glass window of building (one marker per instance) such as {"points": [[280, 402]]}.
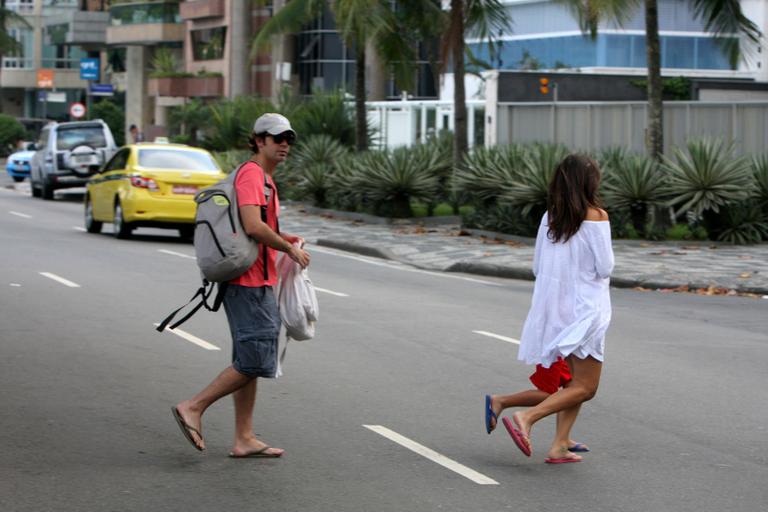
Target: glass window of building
{"points": [[22, 57], [209, 44]]}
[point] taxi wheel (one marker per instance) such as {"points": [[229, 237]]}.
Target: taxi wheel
{"points": [[122, 229], [18, 179], [91, 225]]}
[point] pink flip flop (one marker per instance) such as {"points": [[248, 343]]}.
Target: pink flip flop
{"points": [[565, 460], [518, 437]]}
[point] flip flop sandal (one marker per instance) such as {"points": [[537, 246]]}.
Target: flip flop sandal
{"points": [[518, 437], [261, 454], [187, 429], [489, 414]]}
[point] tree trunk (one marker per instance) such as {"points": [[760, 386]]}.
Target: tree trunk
{"points": [[459, 95], [2, 6], [654, 140], [361, 124]]}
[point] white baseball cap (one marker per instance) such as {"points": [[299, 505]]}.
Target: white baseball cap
{"points": [[273, 124]]}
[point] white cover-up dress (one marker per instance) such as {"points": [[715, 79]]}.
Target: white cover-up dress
{"points": [[571, 306]]}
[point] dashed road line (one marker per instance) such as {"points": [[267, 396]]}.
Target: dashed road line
{"points": [[498, 337], [19, 214], [79, 228], [65, 282], [432, 455], [191, 338], [338, 294], [174, 253]]}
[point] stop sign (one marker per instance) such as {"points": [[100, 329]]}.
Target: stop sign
{"points": [[77, 110]]}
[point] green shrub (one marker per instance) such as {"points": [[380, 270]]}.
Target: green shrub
{"points": [[321, 113], [530, 187], [113, 115], [760, 173], [706, 177], [389, 180], [189, 119], [744, 224], [231, 122], [686, 232], [635, 184], [486, 171], [11, 132], [311, 165]]}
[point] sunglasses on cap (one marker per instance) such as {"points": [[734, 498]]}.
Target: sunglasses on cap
{"points": [[288, 137]]}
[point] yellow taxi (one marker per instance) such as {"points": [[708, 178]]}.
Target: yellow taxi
{"points": [[149, 185]]}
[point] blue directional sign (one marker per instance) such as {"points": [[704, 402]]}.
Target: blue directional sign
{"points": [[102, 90], [89, 69]]}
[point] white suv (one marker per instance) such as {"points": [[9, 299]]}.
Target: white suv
{"points": [[68, 154]]}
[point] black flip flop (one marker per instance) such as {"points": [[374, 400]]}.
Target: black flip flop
{"points": [[186, 429]]}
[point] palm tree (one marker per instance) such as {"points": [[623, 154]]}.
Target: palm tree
{"points": [[8, 45], [478, 19], [723, 18], [360, 23]]}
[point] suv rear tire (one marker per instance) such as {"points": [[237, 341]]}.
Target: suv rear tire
{"points": [[35, 191], [122, 229], [46, 190]]}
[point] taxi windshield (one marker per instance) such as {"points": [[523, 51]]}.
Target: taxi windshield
{"points": [[176, 159]]}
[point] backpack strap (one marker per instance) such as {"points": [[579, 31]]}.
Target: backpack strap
{"points": [[204, 292], [268, 190]]}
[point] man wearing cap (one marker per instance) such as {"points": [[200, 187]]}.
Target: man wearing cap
{"points": [[249, 300]]}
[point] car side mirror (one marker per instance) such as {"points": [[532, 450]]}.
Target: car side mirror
{"points": [[94, 169]]}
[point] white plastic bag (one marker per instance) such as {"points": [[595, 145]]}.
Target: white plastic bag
{"points": [[297, 300]]}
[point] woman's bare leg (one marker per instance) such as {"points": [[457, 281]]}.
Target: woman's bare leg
{"points": [[562, 441], [583, 386], [527, 398]]}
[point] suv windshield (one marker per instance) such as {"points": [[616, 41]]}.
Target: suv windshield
{"points": [[69, 138], [176, 159]]}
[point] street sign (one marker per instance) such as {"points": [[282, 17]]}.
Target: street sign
{"points": [[89, 69], [45, 78], [55, 97], [102, 90], [77, 110]]}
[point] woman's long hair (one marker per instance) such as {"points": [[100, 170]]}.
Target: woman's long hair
{"points": [[572, 191]]}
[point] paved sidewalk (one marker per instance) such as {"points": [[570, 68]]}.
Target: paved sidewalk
{"points": [[716, 268]]}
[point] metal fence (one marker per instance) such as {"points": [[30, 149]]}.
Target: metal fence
{"points": [[597, 125]]}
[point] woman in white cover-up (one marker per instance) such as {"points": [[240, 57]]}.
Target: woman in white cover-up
{"points": [[571, 306]]}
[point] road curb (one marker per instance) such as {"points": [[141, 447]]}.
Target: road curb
{"points": [[522, 273]]}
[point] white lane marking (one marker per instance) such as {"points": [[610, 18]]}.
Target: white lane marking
{"points": [[191, 338], [174, 253], [374, 261], [338, 294], [19, 214], [498, 337], [432, 455], [60, 279], [78, 228], [16, 285]]}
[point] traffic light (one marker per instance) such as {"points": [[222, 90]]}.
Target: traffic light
{"points": [[544, 85]]}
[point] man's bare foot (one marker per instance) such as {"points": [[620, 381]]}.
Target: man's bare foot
{"points": [[523, 427], [251, 445], [194, 420]]}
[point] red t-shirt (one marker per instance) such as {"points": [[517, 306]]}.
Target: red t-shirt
{"points": [[250, 191]]}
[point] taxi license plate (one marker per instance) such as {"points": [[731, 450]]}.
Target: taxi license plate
{"points": [[184, 189]]}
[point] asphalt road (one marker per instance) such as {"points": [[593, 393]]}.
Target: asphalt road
{"points": [[679, 424]]}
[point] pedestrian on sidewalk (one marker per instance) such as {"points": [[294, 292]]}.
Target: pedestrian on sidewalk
{"points": [[249, 300], [571, 306]]}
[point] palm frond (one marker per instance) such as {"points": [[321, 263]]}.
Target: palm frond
{"points": [[725, 19], [290, 18]]}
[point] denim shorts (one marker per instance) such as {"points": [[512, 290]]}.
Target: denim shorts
{"points": [[254, 321]]}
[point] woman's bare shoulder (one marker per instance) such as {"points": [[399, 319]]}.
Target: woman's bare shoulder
{"points": [[596, 215]]}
